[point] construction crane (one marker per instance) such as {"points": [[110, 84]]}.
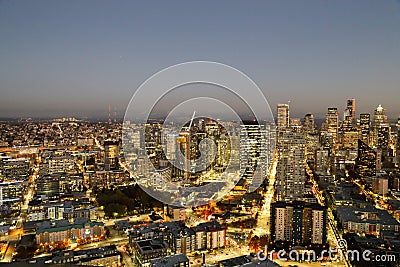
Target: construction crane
{"points": [[191, 121]]}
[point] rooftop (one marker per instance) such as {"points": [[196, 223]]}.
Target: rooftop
{"points": [[368, 214], [170, 261]]}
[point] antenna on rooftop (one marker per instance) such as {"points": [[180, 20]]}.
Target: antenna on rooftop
{"points": [[109, 114]]}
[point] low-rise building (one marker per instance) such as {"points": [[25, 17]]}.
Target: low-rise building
{"points": [[368, 220], [246, 261], [146, 250], [178, 260], [64, 231], [102, 256]]}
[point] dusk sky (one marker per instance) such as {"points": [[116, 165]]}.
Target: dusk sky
{"points": [[75, 58]]}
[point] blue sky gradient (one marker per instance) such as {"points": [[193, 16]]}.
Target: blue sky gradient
{"points": [[77, 57]]}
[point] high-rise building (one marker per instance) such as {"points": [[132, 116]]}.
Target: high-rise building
{"points": [[318, 225], [332, 122], [366, 160], [111, 155], [322, 162], [349, 114], [290, 176], [309, 124], [11, 191], [365, 124], [398, 142], [382, 135], [350, 138], [281, 221], [49, 185], [380, 185], [171, 146], [295, 123], [381, 129], [379, 115], [283, 116], [14, 169], [312, 143], [255, 150], [298, 222]]}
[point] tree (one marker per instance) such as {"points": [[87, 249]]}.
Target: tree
{"points": [[115, 210]]}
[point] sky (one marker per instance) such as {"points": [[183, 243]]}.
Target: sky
{"points": [[75, 58]]}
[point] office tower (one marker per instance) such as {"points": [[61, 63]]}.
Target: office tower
{"points": [[143, 166], [332, 122], [398, 142], [290, 176], [184, 140], [295, 122], [382, 134], [111, 155], [60, 163], [152, 140], [379, 115], [365, 124], [322, 162], [49, 185], [14, 169], [298, 222], [380, 185], [137, 139], [351, 106], [11, 191], [349, 114], [283, 116], [309, 124], [171, 146], [312, 143], [366, 160], [350, 138]]}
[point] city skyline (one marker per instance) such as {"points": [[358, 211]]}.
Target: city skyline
{"points": [[68, 60], [194, 134]]}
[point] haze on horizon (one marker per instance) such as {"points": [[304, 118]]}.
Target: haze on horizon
{"points": [[63, 58]]}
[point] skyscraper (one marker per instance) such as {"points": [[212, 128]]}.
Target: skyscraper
{"points": [[255, 150], [332, 122], [398, 142], [111, 155], [298, 222], [290, 176], [283, 116], [381, 129], [379, 115], [308, 125], [349, 114], [366, 160], [365, 124]]}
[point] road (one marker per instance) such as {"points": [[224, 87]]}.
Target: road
{"points": [[14, 235], [263, 219], [332, 228]]}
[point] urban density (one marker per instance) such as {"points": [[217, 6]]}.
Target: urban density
{"points": [[200, 133], [71, 193]]}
